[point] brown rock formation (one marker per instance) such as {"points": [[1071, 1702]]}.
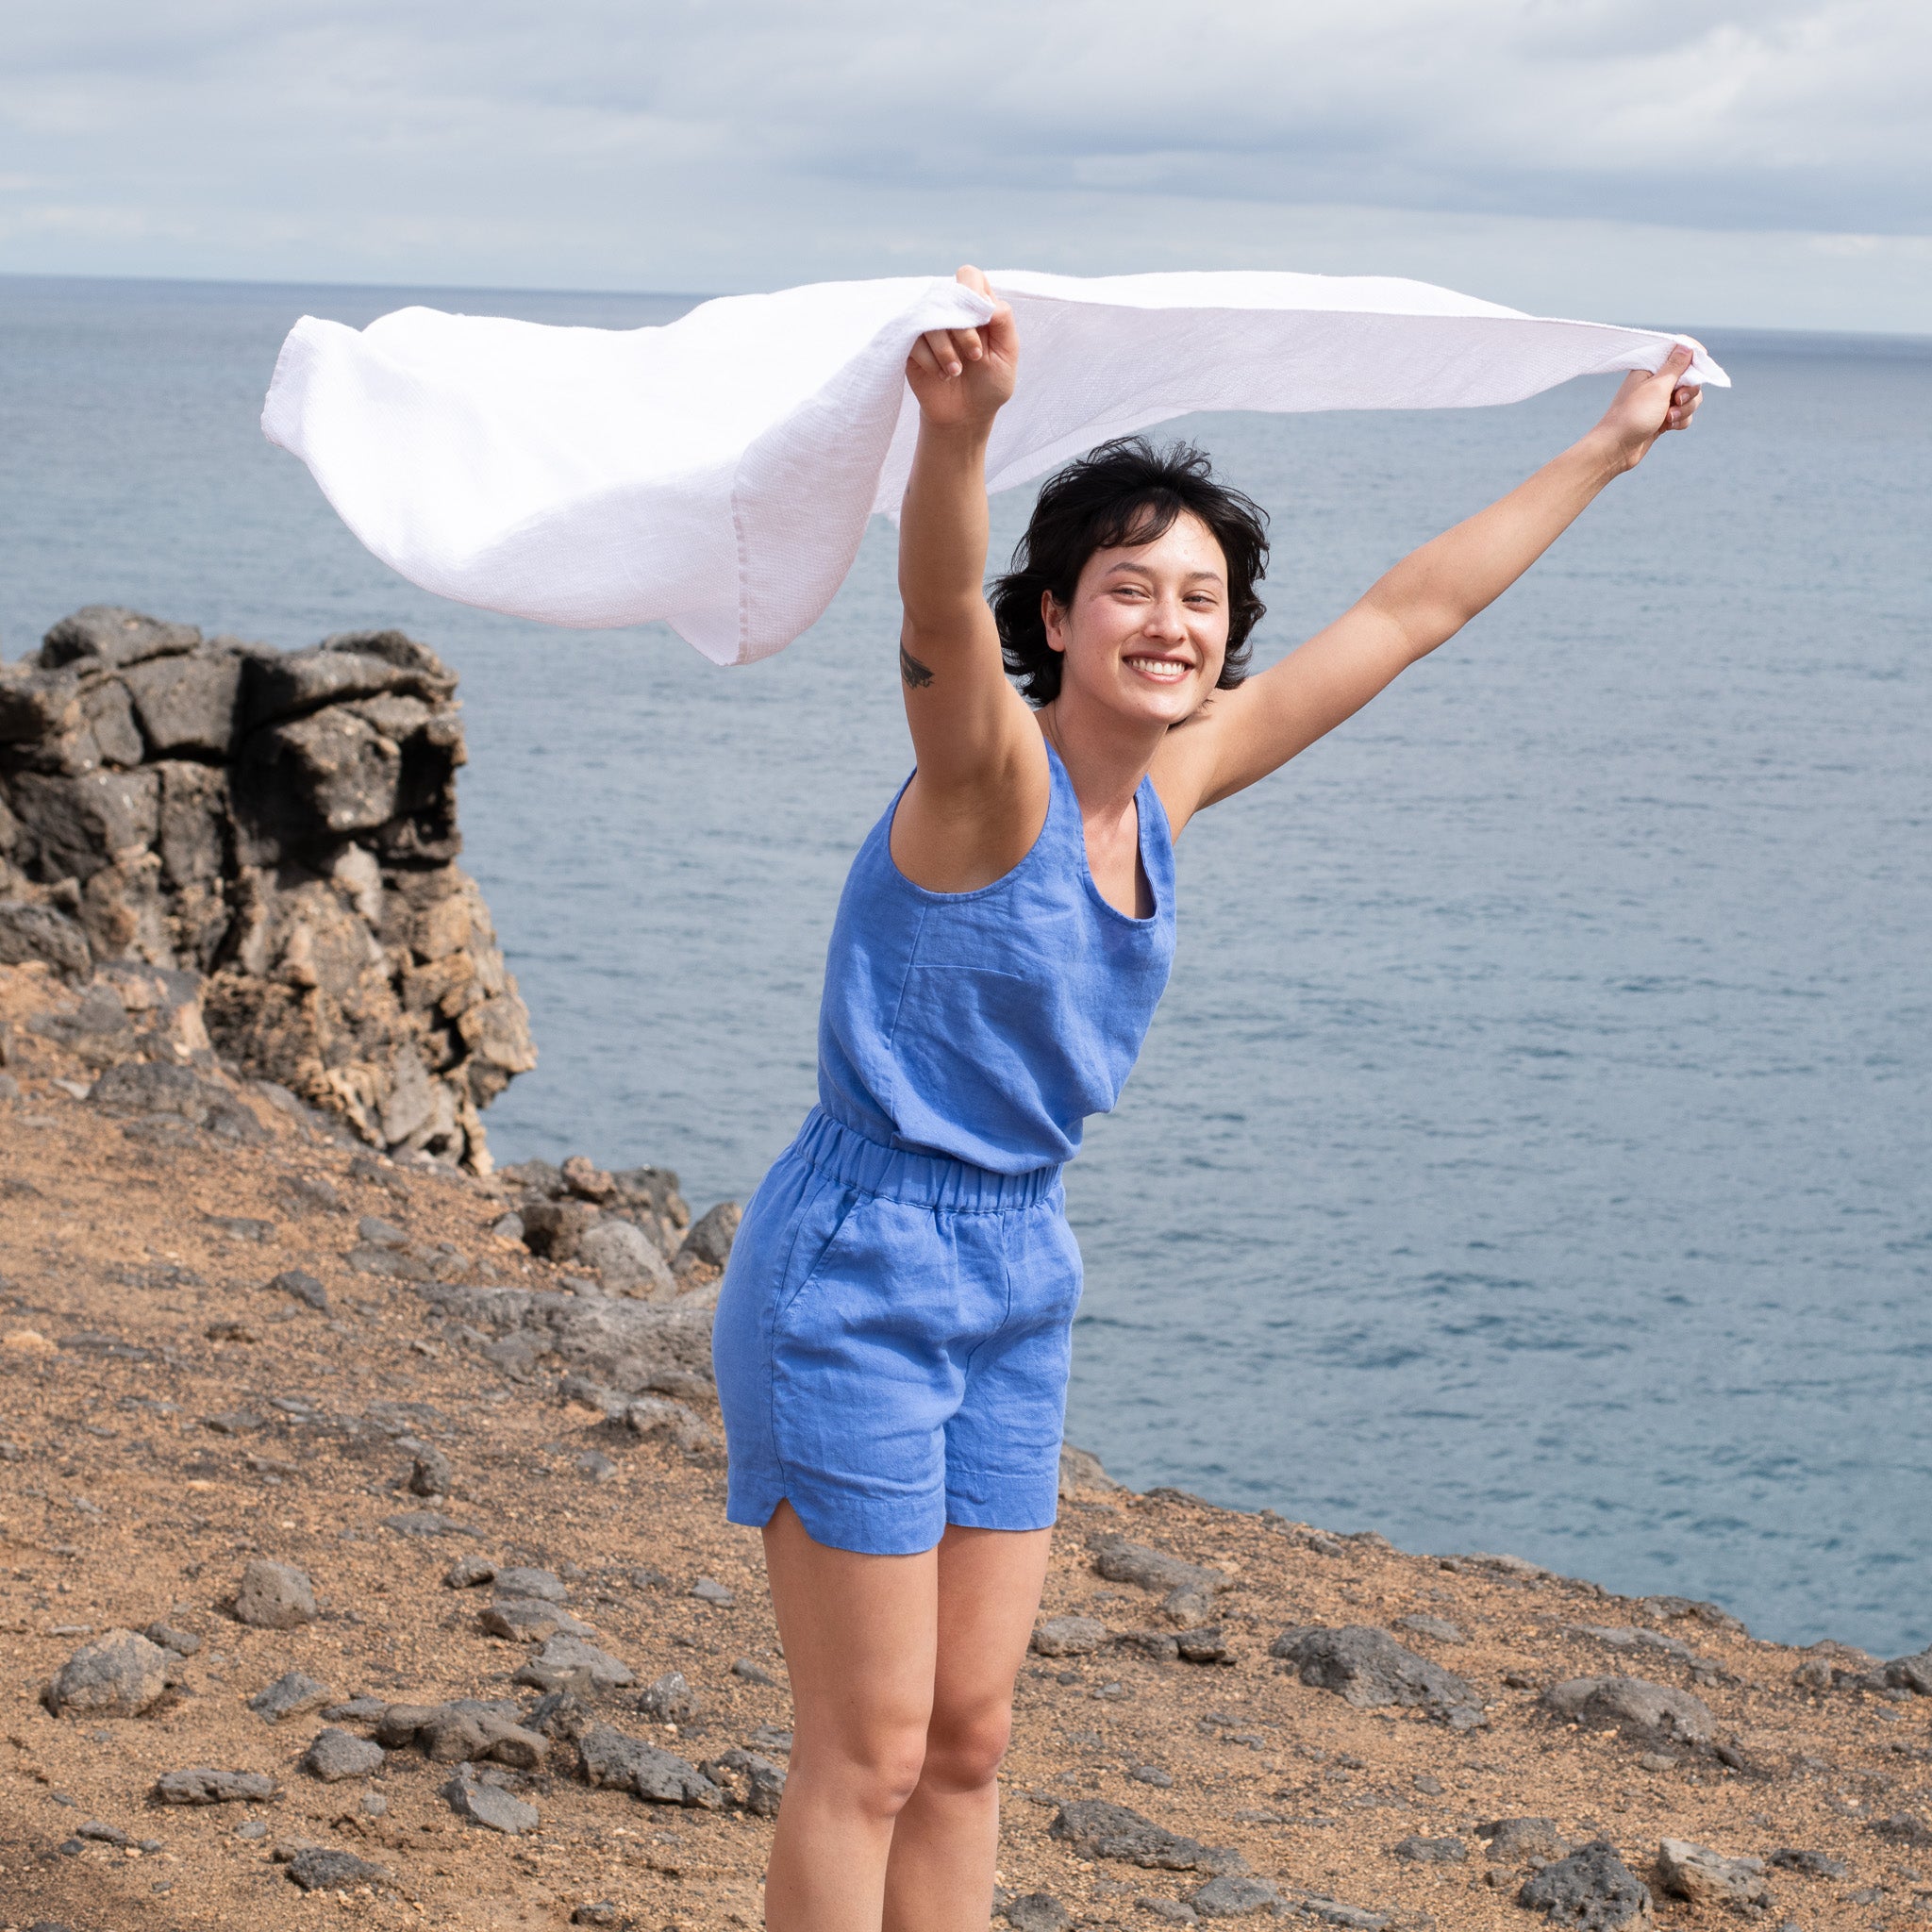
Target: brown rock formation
{"points": [[283, 823]]}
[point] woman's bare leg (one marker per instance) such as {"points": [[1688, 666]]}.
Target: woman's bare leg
{"points": [[939, 1875], [859, 1635]]}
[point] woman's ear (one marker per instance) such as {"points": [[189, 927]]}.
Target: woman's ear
{"points": [[1054, 620]]}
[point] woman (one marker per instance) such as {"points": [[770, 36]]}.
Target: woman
{"points": [[893, 1336]]}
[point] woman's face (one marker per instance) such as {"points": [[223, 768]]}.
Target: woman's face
{"points": [[1147, 632]]}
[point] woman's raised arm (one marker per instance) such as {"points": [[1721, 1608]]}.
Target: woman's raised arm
{"points": [[979, 794], [1423, 602]]}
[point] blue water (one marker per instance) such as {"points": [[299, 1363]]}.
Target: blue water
{"points": [[1532, 1150]]}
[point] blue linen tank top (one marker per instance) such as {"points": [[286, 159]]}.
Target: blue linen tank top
{"points": [[987, 1026]]}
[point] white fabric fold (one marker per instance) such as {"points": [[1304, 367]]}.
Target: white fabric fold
{"points": [[718, 472]]}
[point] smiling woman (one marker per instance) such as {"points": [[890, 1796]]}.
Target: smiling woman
{"points": [[1126, 495], [894, 1332]]}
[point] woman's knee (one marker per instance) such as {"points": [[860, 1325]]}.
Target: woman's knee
{"points": [[964, 1749], [875, 1773]]}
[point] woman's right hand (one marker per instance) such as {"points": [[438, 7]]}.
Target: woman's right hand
{"points": [[961, 376]]}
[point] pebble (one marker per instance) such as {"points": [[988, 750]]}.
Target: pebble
{"points": [[708, 1591], [1170, 1911], [670, 1700], [1517, 1841], [252, 1828], [427, 1523], [335, 1754], [753, 1671], [430, 1474], [1151, 1774], [101, 1832], [374, 1804], [293, 1695], [594, 1464]]}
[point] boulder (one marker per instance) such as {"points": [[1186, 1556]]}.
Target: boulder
{"points": [[1367, 1668], [143, 1087], [1235, 1895], [625, 1259], [464, 1730], [30, 932], [118, 1675], [1911, 1674]]}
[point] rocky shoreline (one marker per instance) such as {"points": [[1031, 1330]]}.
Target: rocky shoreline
{"points": [[364, 1540], [361, 1530]]}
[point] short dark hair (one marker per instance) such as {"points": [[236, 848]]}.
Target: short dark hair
{"points": [[1124, 493]]}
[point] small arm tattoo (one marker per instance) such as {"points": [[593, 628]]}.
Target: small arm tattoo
{"points": [[917, 675]]}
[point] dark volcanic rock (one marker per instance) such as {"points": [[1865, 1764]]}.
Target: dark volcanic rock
{"points": [[465, 1729], [323, 1868], [108, 634], [202, 1785], [568, 1663], [291, 1694], [335, 1754], [1591, 1889], [488, 1806], [1234, 1896], [608, 1757], [1654, 1714], [1367, 1668], [1430, 1850], [1187, 1588], [1099, 1830], [118, 1675], [750, 1782], [137, 1087], [274, 1596]]}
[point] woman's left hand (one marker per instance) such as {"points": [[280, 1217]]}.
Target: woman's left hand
{"points": [[1646, 405]]}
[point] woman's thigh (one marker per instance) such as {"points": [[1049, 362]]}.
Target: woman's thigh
{"points": [[860, 1633], [989, 1586]]}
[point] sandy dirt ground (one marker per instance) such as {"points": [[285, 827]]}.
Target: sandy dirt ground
{"points": [[167, 1417]]}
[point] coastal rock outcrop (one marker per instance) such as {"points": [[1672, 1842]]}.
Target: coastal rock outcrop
{"points": [[283, 826]]}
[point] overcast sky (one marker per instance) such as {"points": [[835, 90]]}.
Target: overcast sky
{"points": [[1689, 163]]}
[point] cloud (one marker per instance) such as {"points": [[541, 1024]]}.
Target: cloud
{"points": [[697, 145]]}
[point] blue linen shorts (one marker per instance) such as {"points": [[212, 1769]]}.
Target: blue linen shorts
{"points": [[891, 1345]]}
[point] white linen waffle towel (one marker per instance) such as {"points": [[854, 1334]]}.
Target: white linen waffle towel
{"points": [[718, 472]]}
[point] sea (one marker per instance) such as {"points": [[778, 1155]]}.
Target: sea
{"points": [[1533, 1151]]}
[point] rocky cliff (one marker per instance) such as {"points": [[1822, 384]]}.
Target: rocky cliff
{"points": [[282, 826]]}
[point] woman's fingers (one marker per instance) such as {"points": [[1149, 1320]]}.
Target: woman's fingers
{"points": [[938, 344], [921, 355]]}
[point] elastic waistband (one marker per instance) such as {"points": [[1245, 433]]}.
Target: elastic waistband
{"points": [[919, 1180]]}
